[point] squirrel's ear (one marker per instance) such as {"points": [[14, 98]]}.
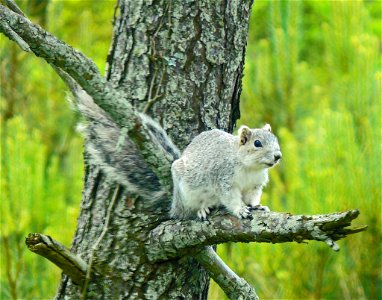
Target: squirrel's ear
{"points": [[244, 134], [267, 127]]}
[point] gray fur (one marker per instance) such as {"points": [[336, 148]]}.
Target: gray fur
{"points": [[108, 146], [218, 168]]}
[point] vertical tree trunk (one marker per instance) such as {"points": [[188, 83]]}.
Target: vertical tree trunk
{"points": [[181, 62]]}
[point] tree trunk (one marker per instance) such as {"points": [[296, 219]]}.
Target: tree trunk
{"points": [[182, 64]]}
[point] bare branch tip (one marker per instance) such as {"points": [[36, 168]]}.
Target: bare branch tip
{"points": [[70, 263], [32, 240]]}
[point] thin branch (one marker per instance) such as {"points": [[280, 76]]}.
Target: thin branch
{"points": [[59, 54], [65, 58], [174, 239], [71, 264], [69, 81], [14, 7], [233, 286]]}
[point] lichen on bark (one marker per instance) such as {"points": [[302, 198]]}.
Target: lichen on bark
{"points": [[180, 56]]}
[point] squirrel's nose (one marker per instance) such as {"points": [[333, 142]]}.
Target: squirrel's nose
{"points": [[278, 155]]}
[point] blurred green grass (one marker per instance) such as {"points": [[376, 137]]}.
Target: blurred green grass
{"points": [[312, 71]]}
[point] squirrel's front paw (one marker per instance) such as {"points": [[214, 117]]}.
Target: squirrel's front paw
{"points": [[243, 213], [259, 207], [203, 212]]}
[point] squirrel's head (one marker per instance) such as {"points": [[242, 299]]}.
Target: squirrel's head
{"points": [[258, 147]]}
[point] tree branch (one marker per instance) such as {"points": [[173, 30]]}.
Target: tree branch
{"points": [[45, 45], [14, 7], [174, 238], [233, 286], [71, 264], [83, 71]]}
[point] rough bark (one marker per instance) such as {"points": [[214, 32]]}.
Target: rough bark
{"points": [[184, 59], [182, 64], [174, 238]]}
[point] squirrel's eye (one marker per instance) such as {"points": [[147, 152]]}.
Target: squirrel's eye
{"points": [[258, 144]]}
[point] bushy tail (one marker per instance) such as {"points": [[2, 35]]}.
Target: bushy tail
{"points": [[110, 148]]}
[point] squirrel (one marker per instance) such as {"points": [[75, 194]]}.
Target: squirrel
{"points": [[218, 168]]}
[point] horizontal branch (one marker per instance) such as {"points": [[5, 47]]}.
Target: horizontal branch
{"points": [[72, 66], [174, 238], [71, 264]]}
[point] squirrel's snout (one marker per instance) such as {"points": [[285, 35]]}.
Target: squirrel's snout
{"points": [[278, 156]]}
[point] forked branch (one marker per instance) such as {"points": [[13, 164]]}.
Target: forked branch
{"points": [[174, 239]]}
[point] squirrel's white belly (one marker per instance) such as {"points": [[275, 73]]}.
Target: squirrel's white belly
{"points": [[246, 179]]}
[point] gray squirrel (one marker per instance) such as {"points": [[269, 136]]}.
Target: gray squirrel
{"points": [[218, 168]]}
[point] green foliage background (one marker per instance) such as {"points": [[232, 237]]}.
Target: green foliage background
{"points": [[312, 71]]}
